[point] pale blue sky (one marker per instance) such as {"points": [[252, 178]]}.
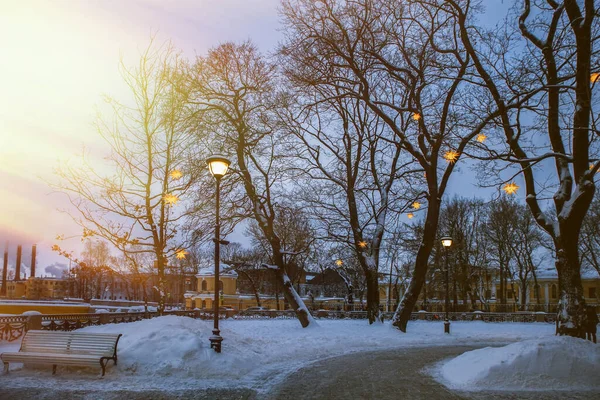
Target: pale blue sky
{"points": [[60, 56]]}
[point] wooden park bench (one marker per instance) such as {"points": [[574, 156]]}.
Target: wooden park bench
{"points": [[65, 348]]}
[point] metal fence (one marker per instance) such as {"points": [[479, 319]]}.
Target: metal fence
{"points": [[14, 327]]}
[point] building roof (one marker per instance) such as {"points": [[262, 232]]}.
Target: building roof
{"points": [[224, 270], [550, 273]]}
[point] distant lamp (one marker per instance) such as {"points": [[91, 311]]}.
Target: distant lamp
{"points": [[481, 138], [362, 244], [510, 188], [416, 205], [410, 215], [416, 116], [339, 263], [180, 254], [446, 241], [218, 165], [176, 174], [595, 77], [170, 198], [451, 156]]}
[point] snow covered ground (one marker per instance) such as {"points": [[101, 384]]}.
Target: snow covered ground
{"points": [[554, 363], [174, 352]]}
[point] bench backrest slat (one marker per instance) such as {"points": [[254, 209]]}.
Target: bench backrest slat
{"points": [[100, 344]]}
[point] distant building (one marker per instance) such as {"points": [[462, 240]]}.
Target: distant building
{"points": [[36, 288]]}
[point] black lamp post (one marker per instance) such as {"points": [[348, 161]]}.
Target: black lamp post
{"points": [[218, 168], [447, 242]]}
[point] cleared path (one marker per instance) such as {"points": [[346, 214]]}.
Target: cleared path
{"points": [[396, 374]]}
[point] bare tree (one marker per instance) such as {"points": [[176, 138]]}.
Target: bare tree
{"points": [[134, 204], [233, 91], [406, 64], [525, 246], [553, 69], [500, 235], [352, 174]]}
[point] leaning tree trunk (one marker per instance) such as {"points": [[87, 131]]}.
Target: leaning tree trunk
{"points": [[406, 306], [291, 296]]}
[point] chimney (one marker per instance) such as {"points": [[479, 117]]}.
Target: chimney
{"points": [[4, 271], [33, 254], [18, 266]]}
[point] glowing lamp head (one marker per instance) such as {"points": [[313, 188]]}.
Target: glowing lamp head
{"points": [[218, 165], [170, 199], [410, 215], [451, 156], [510, 188], [446, 241], [339, 263], [176, 174]]}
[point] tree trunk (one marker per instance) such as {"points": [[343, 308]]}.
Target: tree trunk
{"points": [[406, 306], [523, 295], [502, 299], [571, 306], [161, 284], [372, 296], [293, 299]]}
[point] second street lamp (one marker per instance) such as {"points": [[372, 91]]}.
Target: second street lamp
{"points": [[446, 242], [218, 166]]}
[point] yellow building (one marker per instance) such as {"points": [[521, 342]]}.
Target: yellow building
{"points": [[46, 288], [547, 293], [229, 295], [35, 288], [16, 289]]}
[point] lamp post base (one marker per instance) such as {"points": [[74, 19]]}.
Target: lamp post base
{"points": [[215, 340], [446, 326]]}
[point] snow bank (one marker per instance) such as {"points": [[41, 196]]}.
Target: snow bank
{"points": [[172, 352], [179, 346], [27, 313], [558, 362], [172, 345]]}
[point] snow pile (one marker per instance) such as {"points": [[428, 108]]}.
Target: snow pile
{"points": [[559, 362], [172, 345], [27, 313]]}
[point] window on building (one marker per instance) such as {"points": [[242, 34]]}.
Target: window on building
{"points": [[220, 285], [554, 294], [204, 285], [509, 294], [592, 292], [488, 294]]}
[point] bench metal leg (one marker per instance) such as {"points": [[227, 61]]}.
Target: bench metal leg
{"points": [[6, 368], [54, 369], [103, 363]]}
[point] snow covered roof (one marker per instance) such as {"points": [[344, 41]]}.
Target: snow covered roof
{"points": [[550, 273], [224, 270]]}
